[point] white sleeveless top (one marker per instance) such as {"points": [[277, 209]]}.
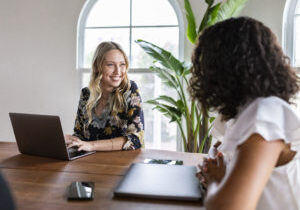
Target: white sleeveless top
{"points": [[273, 119]]}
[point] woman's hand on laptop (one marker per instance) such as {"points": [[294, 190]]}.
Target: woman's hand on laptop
{"points": [[68, 139], [73, 141]]}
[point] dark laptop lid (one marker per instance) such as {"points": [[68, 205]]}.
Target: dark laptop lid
{"points": [[160, 181], [40, 135]]}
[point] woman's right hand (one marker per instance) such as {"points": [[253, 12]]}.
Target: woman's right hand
{"points": [[74, 141], [213, 168], [68, 139]]}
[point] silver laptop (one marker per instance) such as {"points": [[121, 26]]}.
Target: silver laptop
{"points": [[160, 181], [42, 135]]}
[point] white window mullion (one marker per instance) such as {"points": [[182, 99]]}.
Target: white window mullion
{"points": [[130, 33], [157, 116], [288, 29]]}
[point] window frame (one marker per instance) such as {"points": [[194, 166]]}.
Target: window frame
{"points": [[87, 7], [288, 37], [288, 32]]}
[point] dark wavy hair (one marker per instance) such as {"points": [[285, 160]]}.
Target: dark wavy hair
{"points": [[236, 61]]}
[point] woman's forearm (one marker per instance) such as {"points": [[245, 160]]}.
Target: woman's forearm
{"points": [[109, 144], [244, 183]]}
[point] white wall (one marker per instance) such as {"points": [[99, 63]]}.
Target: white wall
{"points": [[37, 60], [38, 55]]}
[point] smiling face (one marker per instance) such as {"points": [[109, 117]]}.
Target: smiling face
{"points": [[113, 70]]}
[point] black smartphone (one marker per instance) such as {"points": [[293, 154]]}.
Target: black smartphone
{"points": [[81, 191], [162, 161]]}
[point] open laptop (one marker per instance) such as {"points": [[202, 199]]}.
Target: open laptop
{"points": [[160, 181], [42, 135]]}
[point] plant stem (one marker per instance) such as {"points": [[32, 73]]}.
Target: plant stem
{"points": [[182, 135], [188, 118]]}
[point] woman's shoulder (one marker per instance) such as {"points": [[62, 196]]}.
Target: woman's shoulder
{"points": [[133, 90], [267, 109], [133, 86], [85, 94], [132, 96], [85, 90], [271, 101], [272, 117]]}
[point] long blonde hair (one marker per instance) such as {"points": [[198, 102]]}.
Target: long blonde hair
{"points": [[118, 101]]}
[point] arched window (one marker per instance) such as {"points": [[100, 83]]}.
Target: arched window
{"points": [[297, 35], [291, 36], [124, 21], [291, 31]]}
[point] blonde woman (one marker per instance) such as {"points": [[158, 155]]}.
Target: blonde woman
{"points": [[109, 116]]}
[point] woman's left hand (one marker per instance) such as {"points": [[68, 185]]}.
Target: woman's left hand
{"points": [[82, 145], [212, 170]]}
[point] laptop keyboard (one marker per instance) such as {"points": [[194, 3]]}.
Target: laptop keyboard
{"points": [[73, 152]]}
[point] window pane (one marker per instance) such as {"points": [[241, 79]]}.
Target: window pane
{"points": [[296, 106], [168, 135], [161, 134], [297, 11], [169, 130], [153, 12], [297, 41], [167, 38], [94, 36], [85, 79], [109, 13]]}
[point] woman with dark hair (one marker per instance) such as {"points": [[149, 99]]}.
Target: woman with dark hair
{"points": [[240, 71]]}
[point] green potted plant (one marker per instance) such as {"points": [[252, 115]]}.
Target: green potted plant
{"points": [[193, 122]]}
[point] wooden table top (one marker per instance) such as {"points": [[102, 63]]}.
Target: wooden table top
{"points": [[41, 183]]}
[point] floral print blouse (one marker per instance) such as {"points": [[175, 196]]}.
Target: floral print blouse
{"points": [[105, 126]]}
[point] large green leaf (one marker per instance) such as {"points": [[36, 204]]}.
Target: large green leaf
{"points": [[186, 65], [180, 105], [166, 99], [172, 109], [205, 17], [152, 101], [229, 8], [173, 118], [191, 27], [169, 111], [165, 112], [209, 17], [186, 72], [209, 2], [164, 57], [187, 68], [165, 76], [211, 119]]}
